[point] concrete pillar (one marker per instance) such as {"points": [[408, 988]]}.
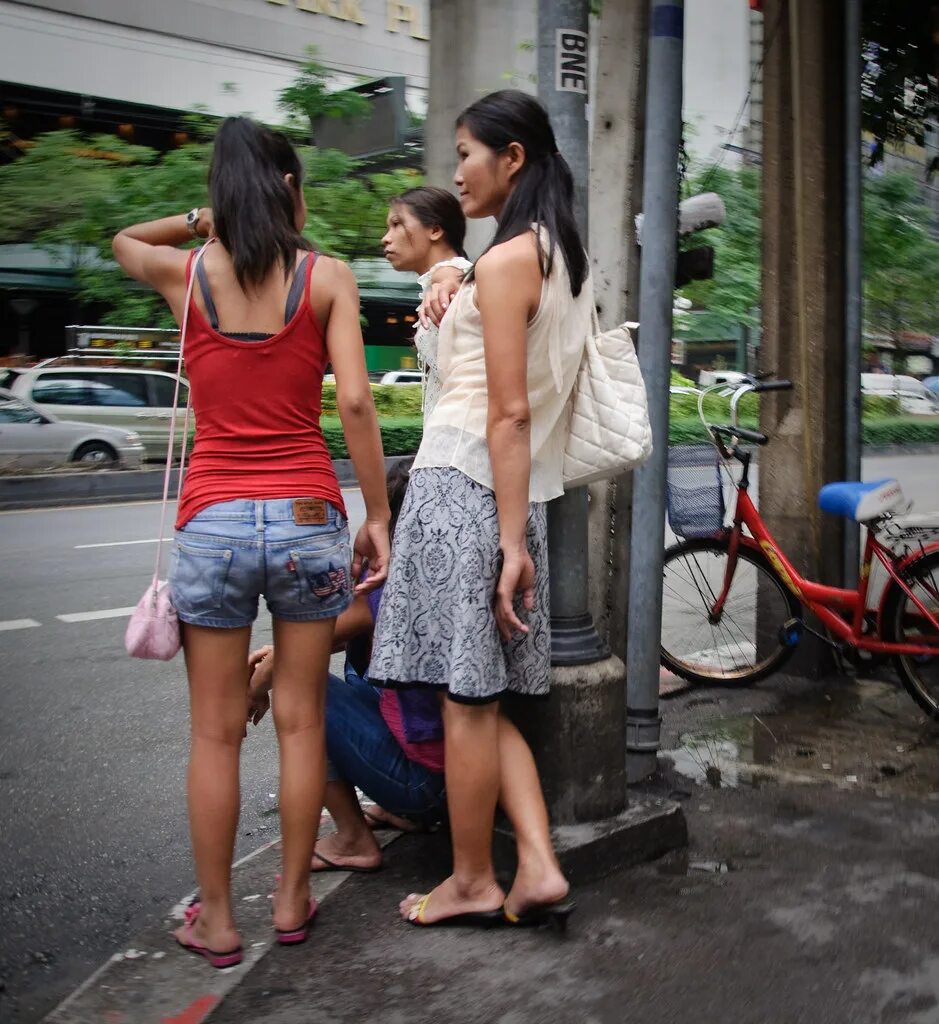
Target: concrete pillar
{"points": [[803, 285], [493, 42]]}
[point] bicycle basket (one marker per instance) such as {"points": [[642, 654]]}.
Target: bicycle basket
{"points": [[694, 492]]}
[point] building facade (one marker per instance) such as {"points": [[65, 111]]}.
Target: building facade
{"points": [[223, 56]]}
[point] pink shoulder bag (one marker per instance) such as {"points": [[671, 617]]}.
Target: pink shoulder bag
{"points": [[153, 630]]}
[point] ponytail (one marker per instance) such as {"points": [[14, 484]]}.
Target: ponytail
{"points": [[544, 186], [253, 206]]}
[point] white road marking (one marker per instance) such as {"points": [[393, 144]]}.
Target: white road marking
{"points": [[117, 543], [106, 613], [99, 506], [18, 624]]}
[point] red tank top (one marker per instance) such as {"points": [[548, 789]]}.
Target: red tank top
{"points": [[257, 406]]}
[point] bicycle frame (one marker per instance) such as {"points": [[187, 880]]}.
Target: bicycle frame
{"points": [[842, 611]]}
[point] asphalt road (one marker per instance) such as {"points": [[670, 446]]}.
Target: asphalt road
{"points": [[93, 749], [93, 745]]}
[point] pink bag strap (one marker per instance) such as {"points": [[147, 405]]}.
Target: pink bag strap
{"points": [[191, 270]]}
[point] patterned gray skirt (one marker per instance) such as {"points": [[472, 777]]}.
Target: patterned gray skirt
{"points": [[436, 626]]}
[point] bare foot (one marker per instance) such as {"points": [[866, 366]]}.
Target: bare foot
{"points": [[361, 853], [291, 910], [450, 899], [199, 929], [378, 817], [533, 887]]}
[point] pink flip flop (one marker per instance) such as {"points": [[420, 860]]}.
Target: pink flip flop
{"points": [[219, 960], [297, 935]]}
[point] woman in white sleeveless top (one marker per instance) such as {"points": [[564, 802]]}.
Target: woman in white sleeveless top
{"points": [[465, 609]]}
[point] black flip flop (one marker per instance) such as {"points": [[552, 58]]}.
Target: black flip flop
{"points": [[331, 865], [553, 914]]}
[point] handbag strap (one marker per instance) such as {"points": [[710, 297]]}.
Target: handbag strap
{"points": [[172, 438]]}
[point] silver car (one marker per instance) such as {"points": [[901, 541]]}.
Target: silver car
{"points": [[31, 439], [136, 399]]}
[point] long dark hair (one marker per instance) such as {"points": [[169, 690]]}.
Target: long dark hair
{"points": [[544, 186], [436, 208], [252, 205], [396, 482]]}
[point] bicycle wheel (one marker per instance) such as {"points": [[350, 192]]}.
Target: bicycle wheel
{"points": [[903, 622], [755, 633]]}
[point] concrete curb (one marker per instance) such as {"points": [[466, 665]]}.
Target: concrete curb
{"points": [[101, 487], [106, 486], [153, 981]]}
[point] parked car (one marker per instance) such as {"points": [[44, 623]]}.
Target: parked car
{"points": [[707, 378], [31, 439], [402, 377], [129, 398], [931, 384], [914, 398]]}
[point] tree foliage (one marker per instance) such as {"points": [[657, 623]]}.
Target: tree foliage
{"points": [[70, 194], [734, 291], [308, 98], [901, 253], [901, 257]]}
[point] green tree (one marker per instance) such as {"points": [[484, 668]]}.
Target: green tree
{"points": [[308, 98], [70, 195], [901, 257], [734, 290]]}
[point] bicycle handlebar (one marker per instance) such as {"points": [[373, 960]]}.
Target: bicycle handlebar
{"points": [[773, 385], [746, 435]]}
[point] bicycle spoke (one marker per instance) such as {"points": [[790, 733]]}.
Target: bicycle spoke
{"points": [[693, 579]]}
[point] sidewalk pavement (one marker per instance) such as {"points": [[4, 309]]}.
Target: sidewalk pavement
{"points": [[809, 893]]}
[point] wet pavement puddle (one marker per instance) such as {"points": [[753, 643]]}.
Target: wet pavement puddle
{"points": [[850, 733]]}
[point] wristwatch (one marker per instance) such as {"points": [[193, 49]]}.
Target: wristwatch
{"points": [[192, 221]]}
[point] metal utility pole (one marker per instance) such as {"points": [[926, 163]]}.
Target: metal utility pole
{"points": [[563, 47], [852, 273], [656, 288]]}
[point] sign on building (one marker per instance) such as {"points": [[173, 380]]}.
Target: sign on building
{"points": [[571, 61]]}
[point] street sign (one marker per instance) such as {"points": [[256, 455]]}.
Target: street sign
{"points": [[571, 61]]}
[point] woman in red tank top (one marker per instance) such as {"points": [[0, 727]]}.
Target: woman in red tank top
{"points": [[261, 511]]}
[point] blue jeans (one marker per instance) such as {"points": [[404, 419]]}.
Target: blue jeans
{"points": [[230, 553], [362, 750]]}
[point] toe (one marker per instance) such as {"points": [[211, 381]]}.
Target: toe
{"points": [[409, 905]]}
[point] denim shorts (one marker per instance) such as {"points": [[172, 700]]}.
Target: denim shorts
{"points": [[230, 553]]}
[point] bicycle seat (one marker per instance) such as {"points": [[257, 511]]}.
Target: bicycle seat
{"points": [[862, 502]]}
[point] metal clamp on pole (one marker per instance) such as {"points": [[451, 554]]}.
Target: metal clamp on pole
{"points": [[643, 731]]}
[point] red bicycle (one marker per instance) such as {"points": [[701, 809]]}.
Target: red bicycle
{"points": [[734, 605]]}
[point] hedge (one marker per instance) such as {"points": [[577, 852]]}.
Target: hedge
{"points": [[395, 400], [401, 435], [900, 430]]}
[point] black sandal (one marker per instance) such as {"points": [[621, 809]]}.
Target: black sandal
{"points": [[553, 914]]}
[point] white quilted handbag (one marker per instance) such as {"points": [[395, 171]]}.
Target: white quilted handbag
{"points": [[609, 426]]}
